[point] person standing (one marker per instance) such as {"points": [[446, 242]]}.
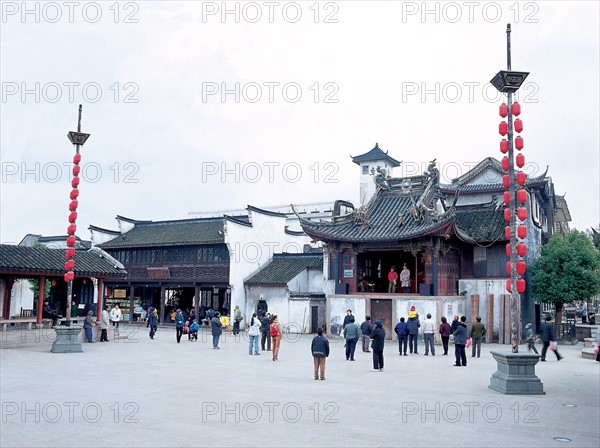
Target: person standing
{"points": [[392, 280], [584, 312], [276, 334], [320, 351], [460, 340], [366, 328], [116, 316], [413, 330], [237, 318], [253, 334], [428, 335], [401, 330], [378, 337], [405, 279], [87, 326], [530, 338], [74, 309], [215, 325], [547, 336], [265, 329], [477, 334], [179, 324], [351, 334], [152, 321], [445, 334], [104, 323]]}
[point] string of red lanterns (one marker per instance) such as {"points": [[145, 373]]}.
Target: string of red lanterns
{"points": [[71, 239], [521, 194]]}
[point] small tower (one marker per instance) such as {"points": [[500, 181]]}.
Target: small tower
{"points": [[371, 160]]}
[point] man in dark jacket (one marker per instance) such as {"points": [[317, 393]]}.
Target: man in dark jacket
{"points": [[460, 340], [366, 328], [179, 324], [265, 330], [48, 313], [378, 337], [320, 351], [477, 334], [413, 325], [152, 321], [215, 325], [401, 330], [547, 336]]}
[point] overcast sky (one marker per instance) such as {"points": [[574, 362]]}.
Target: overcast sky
{"points": [[193, 107]]}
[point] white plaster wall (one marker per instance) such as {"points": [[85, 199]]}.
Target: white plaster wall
{"points": [[299, 283], [250, 248], [472, 199], [315, 281], [483, 287], [299, 315], [21, 297], [275, 297], [337, 306], [98, 237]]}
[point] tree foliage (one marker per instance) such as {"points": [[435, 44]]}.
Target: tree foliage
{"points": [[567, 270]]}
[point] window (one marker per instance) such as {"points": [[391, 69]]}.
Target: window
{"points": [[365, 169]]}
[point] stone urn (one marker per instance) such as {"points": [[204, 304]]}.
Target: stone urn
{"points": [[67, 339]]}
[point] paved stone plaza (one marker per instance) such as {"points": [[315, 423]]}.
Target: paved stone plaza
{"points": [[142, 392]]}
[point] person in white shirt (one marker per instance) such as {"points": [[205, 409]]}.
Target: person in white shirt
{"points": [[254, 333], [428, 335], [116, 316]]}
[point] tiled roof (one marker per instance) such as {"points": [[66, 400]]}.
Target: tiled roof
{"points": [[384, 222], [170, 233], [374, 155], [16, 259], [481, 224], [284, 267]]}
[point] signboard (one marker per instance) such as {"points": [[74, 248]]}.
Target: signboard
{"points": [[348, 273], [120, 293]]}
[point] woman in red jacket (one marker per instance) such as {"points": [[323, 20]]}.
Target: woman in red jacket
{"points": [[275, 336]]}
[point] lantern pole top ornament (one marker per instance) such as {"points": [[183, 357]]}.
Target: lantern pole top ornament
{"points": [[78, 138]]}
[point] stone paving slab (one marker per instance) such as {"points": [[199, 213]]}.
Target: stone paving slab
{"points": [[139, 392]]}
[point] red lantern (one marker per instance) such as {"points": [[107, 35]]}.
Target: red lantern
{"points": [[518, 125], [521, 250], [508, 250], [503, 110], [503, 146], [84, 281], [53, 282], [71, 229], [516, 109], [507, 232], [503, 128], [505, 181], [520, 285], [507, 197], [508, 284], [75, 182], [520, 160], [505, 163], [521, 178], [74, 193], [73, 205], [71, 241], [522, 231], [70, 253], [73, 217], [508, 267], [507, 214], [522, 196], [519, 142], [76, 158], [69, 265], [69, 276], [522, 213], [521, 267]]}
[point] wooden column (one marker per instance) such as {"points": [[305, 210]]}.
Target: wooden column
{"points": [[41, 294], [507, 320], [196, 302], [416, 282], [6, 299], [131, 302], [100, 299], [163, 292], [489, 318]]}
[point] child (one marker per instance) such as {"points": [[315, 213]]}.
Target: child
{"points": [[530, 338], [194, 331]]}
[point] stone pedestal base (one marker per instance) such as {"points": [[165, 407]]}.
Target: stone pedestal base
{"points": [[516, 374], [67, 339]]}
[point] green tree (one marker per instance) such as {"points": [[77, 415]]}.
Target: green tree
{"points": [[568, 269], [35, 288]]}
